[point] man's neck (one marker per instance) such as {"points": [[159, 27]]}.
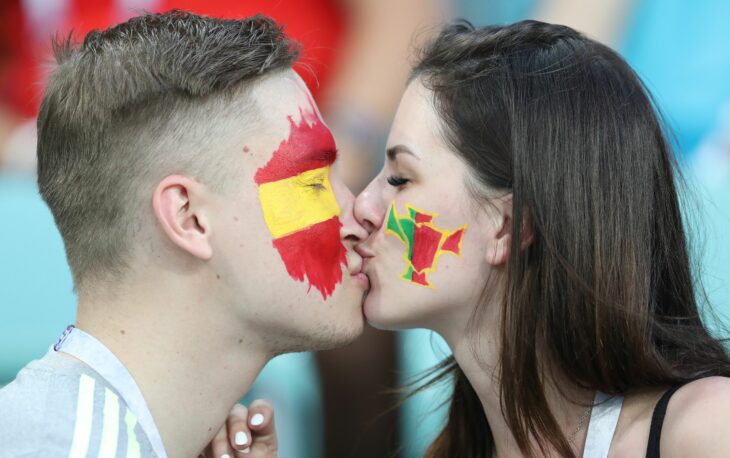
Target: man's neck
{"points": [[190, 365]]}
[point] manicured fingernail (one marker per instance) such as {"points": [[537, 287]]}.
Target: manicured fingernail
{"points": [[257, 420], [246, 450], [241, 438], [225, 455]]}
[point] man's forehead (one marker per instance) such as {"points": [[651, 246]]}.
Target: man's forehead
{"points": [[290, 126], [283, 93]]}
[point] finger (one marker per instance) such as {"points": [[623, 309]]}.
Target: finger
{"points": [[239, 436], [219, 446], [263, 429]]}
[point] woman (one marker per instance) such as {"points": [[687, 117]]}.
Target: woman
{"points": [[570, 280], [527, 212]]}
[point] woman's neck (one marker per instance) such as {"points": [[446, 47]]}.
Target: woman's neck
{"points": [[480, 365]]}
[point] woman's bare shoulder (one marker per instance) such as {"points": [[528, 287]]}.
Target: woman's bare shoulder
{"points": [[697, 422]]}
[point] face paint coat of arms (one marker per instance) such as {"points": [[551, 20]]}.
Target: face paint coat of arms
{"points": [[424, 242]]}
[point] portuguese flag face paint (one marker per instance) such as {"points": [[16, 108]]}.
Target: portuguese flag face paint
{"points": [[424, 242], [299, 206]]}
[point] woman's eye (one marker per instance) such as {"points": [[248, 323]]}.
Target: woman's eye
{"points": [[397, 181]]}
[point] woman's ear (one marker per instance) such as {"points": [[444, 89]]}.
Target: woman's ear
{"points": [[178, 208], [499, 235], [499, 239], [527, 231]]}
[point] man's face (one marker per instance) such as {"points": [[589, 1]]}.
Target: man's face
{"points": [[285, 237]]}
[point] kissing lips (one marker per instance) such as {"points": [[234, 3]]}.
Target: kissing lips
{"points": [[355, 266], [362, 280]]}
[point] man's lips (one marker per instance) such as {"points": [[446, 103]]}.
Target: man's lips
{"points": [[354, 263], [364, 257], [362, 280]]}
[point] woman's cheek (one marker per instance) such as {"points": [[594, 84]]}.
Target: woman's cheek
{"points": [[422, 241]]}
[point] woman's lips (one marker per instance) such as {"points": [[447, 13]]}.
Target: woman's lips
{"points": [[364, 252]]}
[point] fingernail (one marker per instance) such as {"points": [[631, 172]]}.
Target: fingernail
{"points": [[246, 450], [257, 420], [241, 438]]}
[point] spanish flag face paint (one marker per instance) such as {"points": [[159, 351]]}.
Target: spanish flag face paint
{"points": [[424, 242], [299, 205]]}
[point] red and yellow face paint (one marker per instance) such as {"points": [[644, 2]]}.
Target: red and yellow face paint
{"points": [[299, 205], [424, 242]]}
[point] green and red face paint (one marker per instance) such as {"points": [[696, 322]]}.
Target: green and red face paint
{"points": [[424, 242]]}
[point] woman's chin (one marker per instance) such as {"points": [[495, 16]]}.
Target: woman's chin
{"points": [[374, 312], [385, 316]]}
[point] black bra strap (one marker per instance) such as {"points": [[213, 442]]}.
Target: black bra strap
{"points": [[657, 420]]}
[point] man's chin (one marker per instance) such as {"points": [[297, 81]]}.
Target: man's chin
{"points": [[326, 337], [343, 336]]}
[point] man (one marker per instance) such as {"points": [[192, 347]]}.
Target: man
{"points": [[190, 175]]}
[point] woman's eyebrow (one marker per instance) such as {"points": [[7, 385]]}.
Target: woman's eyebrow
{"points": [[393, 151]]}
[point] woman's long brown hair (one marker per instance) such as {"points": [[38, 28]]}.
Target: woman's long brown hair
{"points": [[604, 295]]}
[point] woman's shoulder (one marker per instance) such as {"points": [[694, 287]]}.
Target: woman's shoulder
{"points": [[697, 419], [695, 423]]}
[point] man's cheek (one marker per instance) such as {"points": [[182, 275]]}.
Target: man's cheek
{"points": [[293, 204], [299, 207], [315, 253], [306, 227]]}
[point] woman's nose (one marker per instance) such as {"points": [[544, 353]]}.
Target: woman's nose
{"points": [[370, 208]]}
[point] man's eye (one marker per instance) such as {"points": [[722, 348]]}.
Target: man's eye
{"points": [[317, 186], [397, 181], [314, 183]]}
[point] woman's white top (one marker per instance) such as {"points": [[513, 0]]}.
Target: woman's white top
{"points": [[602, 425]]}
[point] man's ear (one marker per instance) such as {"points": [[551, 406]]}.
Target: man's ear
{"points": [[177, 205], [500, 234]]}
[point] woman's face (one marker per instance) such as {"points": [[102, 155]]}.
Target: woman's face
{"points": [[425, 255]]}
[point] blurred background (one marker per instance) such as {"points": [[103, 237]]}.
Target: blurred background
{"points": [[356, 58]]}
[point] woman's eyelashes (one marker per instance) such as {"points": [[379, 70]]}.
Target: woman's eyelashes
{"points": [[397, 181]]}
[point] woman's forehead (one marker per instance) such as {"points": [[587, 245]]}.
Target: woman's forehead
{"points": [[416, 124]]}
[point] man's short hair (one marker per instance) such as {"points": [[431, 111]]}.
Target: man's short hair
{"points": [[133, 104]]}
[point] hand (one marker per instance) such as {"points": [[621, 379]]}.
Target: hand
{"points": [[248, 433]]}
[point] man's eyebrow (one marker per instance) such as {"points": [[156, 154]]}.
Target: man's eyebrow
{"points": [[393, 151], [325, 157]]}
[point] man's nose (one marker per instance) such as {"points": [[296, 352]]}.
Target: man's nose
{"points": [[352, 231]]}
